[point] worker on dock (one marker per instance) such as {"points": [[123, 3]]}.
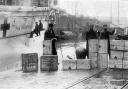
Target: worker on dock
{"points": [[81, 52], [40, 27], [90, 34], [50, 35], [105, 34]]}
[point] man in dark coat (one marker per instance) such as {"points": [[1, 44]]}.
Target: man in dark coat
{"points": [[40, 26], [91, 34], [50, 35], [105, 34]]}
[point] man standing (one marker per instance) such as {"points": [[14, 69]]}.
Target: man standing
{"points": [[50, 35], [105, 34], [40, 26], [91, 34]]}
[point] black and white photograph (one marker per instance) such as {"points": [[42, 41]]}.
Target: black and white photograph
{"points": [[64, 44]]}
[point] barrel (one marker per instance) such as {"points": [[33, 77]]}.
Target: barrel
{"points": [[30, 62], [49, 63]]}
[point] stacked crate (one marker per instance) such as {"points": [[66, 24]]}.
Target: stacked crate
{"points": [[103, 54], [48, 61], [30, 62], [119, 54], [93, 52], [79, 64], [98, 53]]}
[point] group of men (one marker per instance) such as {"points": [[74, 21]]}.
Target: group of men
{"points": [[104, 34], [38, 28]]}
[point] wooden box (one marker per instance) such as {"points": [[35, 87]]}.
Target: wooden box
{"points": [[103, 46], [30, 62], [116, 64], [69, 64], [83, 64], [49, 63], [47, 47], [103, 60], [117, 44], [93, 45], [126, 45], [93, 57], [116, 55]]}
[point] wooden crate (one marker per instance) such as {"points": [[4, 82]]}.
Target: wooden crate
{"points": [[83, 64], [125, 56], [93, 45], [117, 44], [103, 46], [69, 64], [103, 60], [47, 47], [116, 48], [30, 62], [94, 59], [116, 55], [126, 45], [117, 63], [49, 63]]}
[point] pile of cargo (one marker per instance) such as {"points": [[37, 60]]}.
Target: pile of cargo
{"points": [[119, 54], [76, 64], [98, 57], [98, 53], [48, 61]]}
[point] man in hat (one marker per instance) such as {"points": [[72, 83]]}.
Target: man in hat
{"points": [[105, 34]]}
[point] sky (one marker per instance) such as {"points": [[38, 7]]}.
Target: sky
{"points": [[100, 9]]}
